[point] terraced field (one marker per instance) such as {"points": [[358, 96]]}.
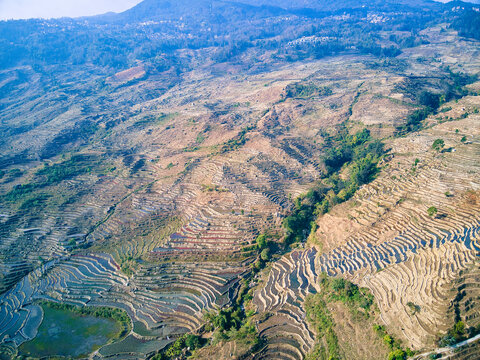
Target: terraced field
{"points": [[192, 165], [167, 302], [289, 282], [408, 259]]}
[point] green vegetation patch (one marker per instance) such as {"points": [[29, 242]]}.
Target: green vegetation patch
{"points": [[237, 141], [32, 194], [395, 346], [68, 169], [359, 302], [189, 342], [306, 90], [452, 87], [151, 120], [72, 331], [459, 332], [359, 155]]}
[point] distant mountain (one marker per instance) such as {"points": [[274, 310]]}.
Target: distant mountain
{"points": [[154, 30], [167, 9], [467, 1], [333, 5], [201, 10], [193, 11]]}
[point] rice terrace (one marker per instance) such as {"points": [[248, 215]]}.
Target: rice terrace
{"points": [[208, 179]]}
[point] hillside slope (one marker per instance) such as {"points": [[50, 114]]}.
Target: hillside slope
{"points": [[170, 164]]}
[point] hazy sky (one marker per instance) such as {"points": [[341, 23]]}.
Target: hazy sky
{"points": [[23, 9]]}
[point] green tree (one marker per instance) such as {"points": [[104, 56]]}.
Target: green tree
{"points": [[338, 284], [438, 144], [459, 329], [261, 241], [265, 254], [432, 210], [192, 341], [398, 354], [387, 339]]}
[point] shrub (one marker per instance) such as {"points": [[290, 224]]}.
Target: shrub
{"points": [[438, 144], [307, 90], [398, 354], [413, 307], [387, 339], [456, 334]]}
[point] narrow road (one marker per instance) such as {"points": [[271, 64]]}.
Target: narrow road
{"points": [[446, 351]]}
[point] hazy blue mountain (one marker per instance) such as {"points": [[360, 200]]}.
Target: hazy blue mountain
{"points": [[167, 9], [332, 5]]}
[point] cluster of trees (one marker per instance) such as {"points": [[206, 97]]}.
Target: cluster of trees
{"points": [[265, 247], [19, 192], [37, 193], [233, 323], [468, 23], [429, 103], [184, 345], [238, 141], [306, 90], [452, 87], [349, 293], [359, 302], [396, 350], [68, 169], [52, 174], [226, 319], [360, 155], [457, 333], [438, 144], [454, 335]]}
